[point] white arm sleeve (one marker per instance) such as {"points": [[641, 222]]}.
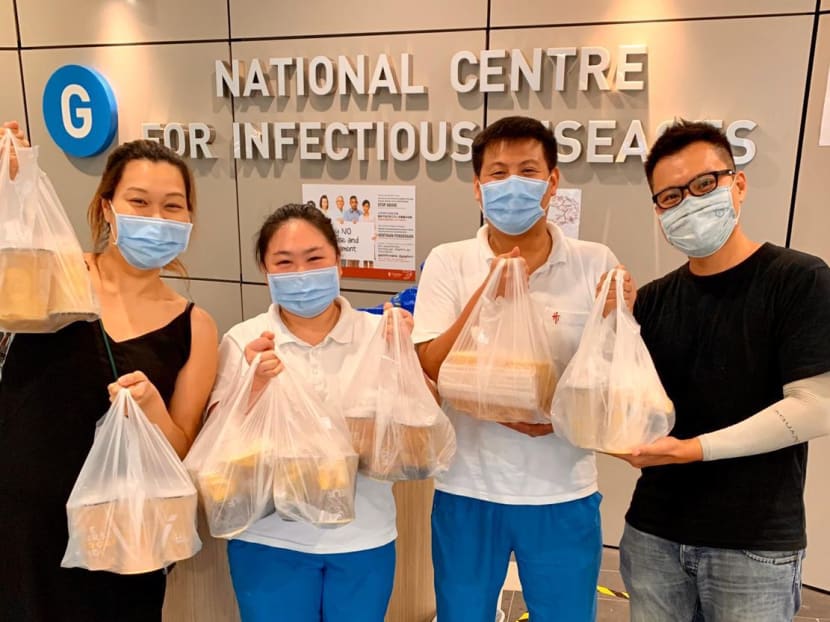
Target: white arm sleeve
{"points": [[803, 414]]}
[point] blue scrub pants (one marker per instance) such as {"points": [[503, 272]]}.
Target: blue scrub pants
{"points": [[558, 551], [274, 584]]}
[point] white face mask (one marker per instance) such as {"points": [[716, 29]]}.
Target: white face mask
{"points": [[700, 226]]}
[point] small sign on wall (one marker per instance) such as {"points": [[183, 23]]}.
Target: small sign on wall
{"points": [[565, 210], [375, 227]]}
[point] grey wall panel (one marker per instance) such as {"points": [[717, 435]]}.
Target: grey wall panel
{"points": [[616, 204], [8, 29], [152, 84], [810, 228], [255, 300], [43, 22], [811, 233], [255, 18], [222, 300], [446, 209], [817, 563], [11, 95], [616, 483], [532, 12]]}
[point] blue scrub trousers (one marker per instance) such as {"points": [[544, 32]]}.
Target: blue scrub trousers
{"points": [[558, 551], [274, 584]]}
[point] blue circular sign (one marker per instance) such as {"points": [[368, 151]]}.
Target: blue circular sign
{"points": [[80, 110]]}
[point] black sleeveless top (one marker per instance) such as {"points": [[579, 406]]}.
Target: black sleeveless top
{"points": [[53, 390]]}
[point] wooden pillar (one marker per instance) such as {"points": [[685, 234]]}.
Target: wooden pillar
{"points": [[413, 597], [199, 589]]}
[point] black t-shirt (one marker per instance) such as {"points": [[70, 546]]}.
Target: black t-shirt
{"points": [[724, 345]]}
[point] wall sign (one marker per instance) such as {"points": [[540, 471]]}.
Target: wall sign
{"points": [[80, 110], [597, 69]]}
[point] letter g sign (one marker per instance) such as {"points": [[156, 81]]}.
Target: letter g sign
{"points": [[80, 110]]}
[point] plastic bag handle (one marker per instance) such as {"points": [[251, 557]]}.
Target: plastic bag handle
{"points": [[8, 139], [602, 297], [510, 290], [493, 279], [596, 318], [119, 420], [20, 223], [621, 306], [393, 321]]}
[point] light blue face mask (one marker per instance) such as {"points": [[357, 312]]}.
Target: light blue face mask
{"points": [[150, 243], [700, 226], [513, 205], [306, 294]]}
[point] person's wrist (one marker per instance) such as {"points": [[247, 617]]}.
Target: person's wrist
{"points": [[693, 449]]}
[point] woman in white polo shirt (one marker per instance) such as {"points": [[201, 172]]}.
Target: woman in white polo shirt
{"points": [[283, 569], [514, 488]]}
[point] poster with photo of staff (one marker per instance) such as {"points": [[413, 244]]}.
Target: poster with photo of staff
{"points": [[375, 227]]}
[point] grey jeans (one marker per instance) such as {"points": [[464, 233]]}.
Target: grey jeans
{"points": [[671, 582]]}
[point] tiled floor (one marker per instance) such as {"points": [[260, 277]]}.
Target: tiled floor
{"points": [[815, 605]]}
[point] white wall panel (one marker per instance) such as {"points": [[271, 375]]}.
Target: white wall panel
{"points": [[616, 204], [8, 30], [161, 83], [811, 233], [45, 22], [270, 18], [533, 12], [11, 95]]}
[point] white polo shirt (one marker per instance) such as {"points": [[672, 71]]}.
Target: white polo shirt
{"points": [[493, 462], [328, 367]]}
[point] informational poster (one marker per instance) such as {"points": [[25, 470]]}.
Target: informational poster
{"points": [[565, 209], [824, 135], [375, 227]]}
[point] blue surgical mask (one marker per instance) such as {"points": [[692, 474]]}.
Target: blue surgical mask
{"points": [[700, 226], [513, 205], [306, 294], [150, 243]]}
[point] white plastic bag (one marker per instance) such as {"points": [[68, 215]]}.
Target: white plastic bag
{"points": [[232, 461], [315, 466], [133, 507], [284, 450], [44, 281], [501, 366], [610, 397], [397, 429]]}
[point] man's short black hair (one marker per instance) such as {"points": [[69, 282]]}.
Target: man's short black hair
{"points": [[680, 135], [510, 129]]}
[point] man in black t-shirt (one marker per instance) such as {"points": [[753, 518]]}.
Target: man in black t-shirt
{"points": [[740, 336]]}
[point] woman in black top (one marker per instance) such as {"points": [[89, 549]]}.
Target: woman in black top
{"points": [[56, 386]]}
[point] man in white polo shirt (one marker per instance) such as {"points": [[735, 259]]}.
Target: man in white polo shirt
{"points": [[514, 488]]}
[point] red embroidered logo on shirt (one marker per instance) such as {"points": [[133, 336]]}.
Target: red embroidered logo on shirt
{"points": [[555, 317]]}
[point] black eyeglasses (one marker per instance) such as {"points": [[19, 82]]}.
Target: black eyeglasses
{"points": [[699, 186]]}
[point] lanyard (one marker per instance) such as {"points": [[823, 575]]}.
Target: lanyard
{"points": [[109, 350]]}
